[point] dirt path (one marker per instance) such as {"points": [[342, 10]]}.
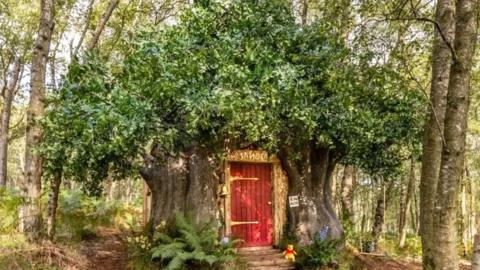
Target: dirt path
{"points": [[107, 251]]}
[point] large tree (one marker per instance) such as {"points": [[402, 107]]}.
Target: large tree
{"points": [[455, 127], [433, 142], [444, 143], [228, 76]]}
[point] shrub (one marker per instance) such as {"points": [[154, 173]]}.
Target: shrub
{"points": [[140, 253], [79, 215], [319, 254], [181, 244], [10, 200]]}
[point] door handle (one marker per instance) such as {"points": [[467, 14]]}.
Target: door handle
{"points": [[269, 203]]}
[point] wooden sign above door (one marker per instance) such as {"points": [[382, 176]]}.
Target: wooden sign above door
{"points": [[251, 156]]}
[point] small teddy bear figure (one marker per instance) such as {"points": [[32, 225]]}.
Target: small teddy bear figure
{"points": [[290, 253]]}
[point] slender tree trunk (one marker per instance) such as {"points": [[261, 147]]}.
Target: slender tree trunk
{"points": [[349, 180], [30, 211], [53, 203], [476, 253], [417, 212], [432, 141], [311, 181], [455, 126], [101, 24], [5, 124], [408, 202], [85, 28], [401, 212], [381, 208], [304, 13]]}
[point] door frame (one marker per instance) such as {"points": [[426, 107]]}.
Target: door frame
{"points": [[278, 183]]}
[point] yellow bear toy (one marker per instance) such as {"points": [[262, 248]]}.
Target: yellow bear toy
{"points": [[290, 253]]}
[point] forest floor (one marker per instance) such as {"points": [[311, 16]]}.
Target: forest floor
{"points": [[382, 262], [106, 251]]}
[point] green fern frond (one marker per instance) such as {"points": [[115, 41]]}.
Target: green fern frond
{"points": [[162, 237], [176, 263], [192, 239]]}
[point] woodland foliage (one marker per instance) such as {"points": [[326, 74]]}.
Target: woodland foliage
{"points": [[222, 75]]}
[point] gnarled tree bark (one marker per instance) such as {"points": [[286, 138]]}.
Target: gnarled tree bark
{"points": [[187, 183], [311, 180]]}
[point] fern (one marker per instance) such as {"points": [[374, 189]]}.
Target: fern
{"points": [[319, 253], [184, 245]]}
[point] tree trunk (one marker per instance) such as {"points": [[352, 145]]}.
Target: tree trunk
{"points": [[185, 183], [401, 214], [202, 186], [304, 12], [5, 124], [30, 213], [53, 203], [349, 180], [453, 154], [382, 205], [101, 24], [311, 181], [85, 29], [476, 253], [408, 202], [432, 141]]}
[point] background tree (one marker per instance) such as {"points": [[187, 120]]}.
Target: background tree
{"points": [[30, 213]]}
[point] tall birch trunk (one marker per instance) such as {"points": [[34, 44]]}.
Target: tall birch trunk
{"points": [[432, 141], [30, 211], [5, 124], [455, 126]]}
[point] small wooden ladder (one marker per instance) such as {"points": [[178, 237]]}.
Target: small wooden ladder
{"points": [[264, 258]]}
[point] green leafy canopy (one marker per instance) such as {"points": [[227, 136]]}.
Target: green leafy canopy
{"points": [[236, 72]]}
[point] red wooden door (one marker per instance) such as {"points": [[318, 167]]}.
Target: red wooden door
{"points": [[251, 203]]}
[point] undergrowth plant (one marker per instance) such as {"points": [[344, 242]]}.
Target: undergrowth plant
{"points": [[319, 254], [10, 200], [79, 214], [181, 244]]}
